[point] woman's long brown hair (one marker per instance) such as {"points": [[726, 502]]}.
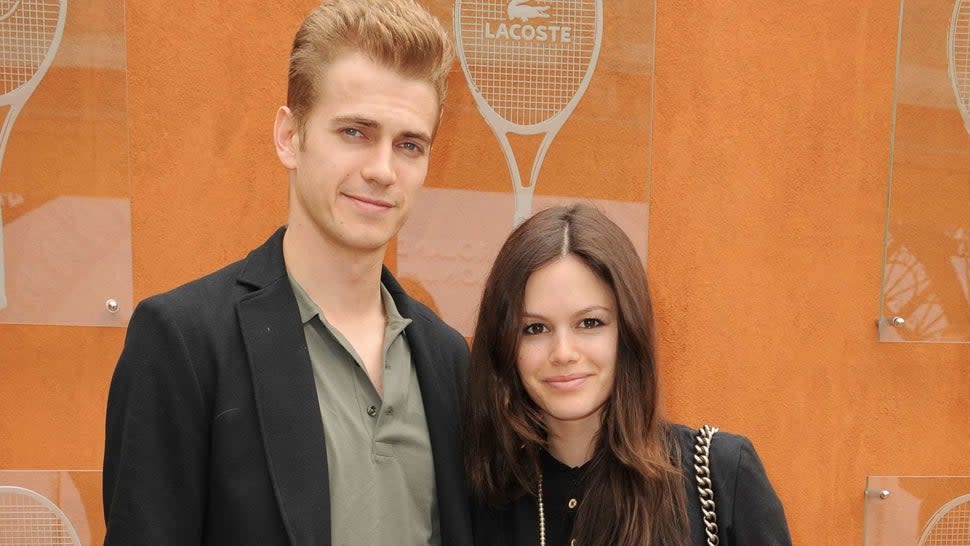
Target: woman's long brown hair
{"points": [[634, 490]]}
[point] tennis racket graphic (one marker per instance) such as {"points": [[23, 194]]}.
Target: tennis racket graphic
{"points": [[528, 63], [28, 518], [958, 53], [950, 525], [30, 33]]}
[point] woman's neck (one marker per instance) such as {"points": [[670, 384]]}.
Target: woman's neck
{"points": [[572, 442]]}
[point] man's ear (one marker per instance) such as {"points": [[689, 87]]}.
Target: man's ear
{"points": [[286, 137]]}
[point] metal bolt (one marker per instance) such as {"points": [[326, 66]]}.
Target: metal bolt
{"points": [[897, 321], [884, 494], [112, 305]]}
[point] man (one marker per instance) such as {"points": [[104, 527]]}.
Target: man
{"points": [[299, 396]]}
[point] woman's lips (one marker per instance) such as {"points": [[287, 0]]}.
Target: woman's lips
{"points": [[567, 382]]}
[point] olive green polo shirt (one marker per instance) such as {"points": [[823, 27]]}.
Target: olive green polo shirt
{"points": [[382, 484]]}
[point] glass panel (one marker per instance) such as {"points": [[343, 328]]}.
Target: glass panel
{"points": [[69, 502], [65, 234], [925, 289], [545, 105], [917, 511]]}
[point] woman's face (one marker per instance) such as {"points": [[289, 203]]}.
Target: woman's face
{"points": [[568, 343]]}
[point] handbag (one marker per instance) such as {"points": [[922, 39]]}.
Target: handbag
{"points": [[702, 473]]}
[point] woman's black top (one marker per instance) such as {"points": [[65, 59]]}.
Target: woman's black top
{"points": [[748, 510], [561, 496]]}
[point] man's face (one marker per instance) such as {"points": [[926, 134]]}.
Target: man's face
{"points": [[356, 169]]}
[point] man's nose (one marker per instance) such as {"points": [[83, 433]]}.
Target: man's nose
{"points": [[379, 166]]}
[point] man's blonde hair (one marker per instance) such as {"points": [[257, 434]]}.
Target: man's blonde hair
{"points": [[398, 34]]}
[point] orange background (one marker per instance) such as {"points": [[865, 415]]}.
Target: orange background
{"points": [[770, 146]]}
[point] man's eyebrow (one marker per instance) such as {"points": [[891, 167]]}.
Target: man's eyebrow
{"points": [[374, 124], [355, 120], [418, 135]]}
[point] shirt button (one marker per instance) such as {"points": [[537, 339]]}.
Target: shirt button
{"points": [[572, 503], [372, 411]]}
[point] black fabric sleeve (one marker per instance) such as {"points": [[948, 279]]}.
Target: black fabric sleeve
{"points": [[156, 438], [757, 517]]}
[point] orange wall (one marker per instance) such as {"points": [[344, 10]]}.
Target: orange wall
{"points": [[770, 149]]}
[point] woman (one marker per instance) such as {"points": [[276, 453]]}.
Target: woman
{"points": [[564, 439]]}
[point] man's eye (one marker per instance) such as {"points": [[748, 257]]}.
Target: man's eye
{"points": [[352, 132], [412, 147], [533, 329]]}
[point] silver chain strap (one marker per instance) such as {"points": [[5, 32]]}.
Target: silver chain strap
{"points": [[702, 471]]}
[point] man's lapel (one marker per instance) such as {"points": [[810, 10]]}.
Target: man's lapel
{"points": [[286, 397], [439, 378], [439, 388], [435, 377]]}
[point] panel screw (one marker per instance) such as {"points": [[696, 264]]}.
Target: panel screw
{"points": [[897, 321], [112, 305], [884, 494]]}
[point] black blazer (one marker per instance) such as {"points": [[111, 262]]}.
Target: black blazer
{"points": [[214, 433], [748, 510]]}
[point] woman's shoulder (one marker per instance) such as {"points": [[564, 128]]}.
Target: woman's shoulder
{"points": [[748, 509], [730, 454], [723, 443]]}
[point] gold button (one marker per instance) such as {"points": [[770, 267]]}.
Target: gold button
{"points": [[572, 503]]}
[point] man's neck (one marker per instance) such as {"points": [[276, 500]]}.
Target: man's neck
{"points": [[342, 282]]}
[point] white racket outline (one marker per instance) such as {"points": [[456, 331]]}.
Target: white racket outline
{"points": [[958, 64], [550, 126], [13, 491], [16, 98], [940, 514]]}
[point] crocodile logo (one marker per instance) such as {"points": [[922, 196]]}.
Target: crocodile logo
{"points": [[521, 10]]}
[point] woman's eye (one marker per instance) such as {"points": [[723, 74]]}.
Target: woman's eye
{"points": [[533, 329], [590, 323]]}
